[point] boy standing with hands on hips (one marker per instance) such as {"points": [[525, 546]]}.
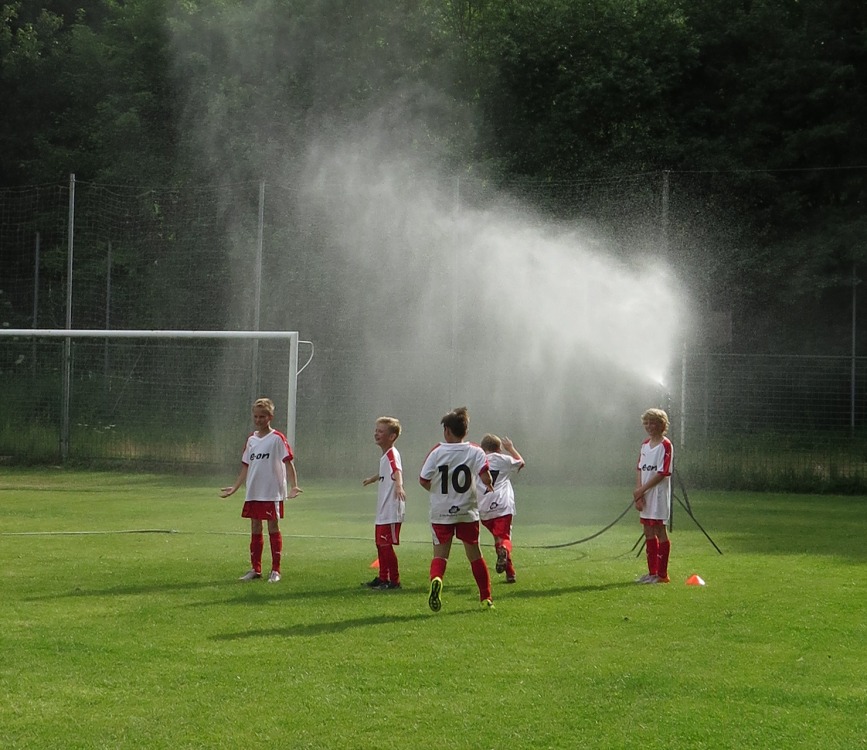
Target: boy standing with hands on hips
{"points": [[652, 494]]}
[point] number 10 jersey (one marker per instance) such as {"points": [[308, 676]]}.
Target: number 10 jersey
{"points": [[452, 469]]}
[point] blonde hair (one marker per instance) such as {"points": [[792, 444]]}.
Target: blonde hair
{"points": [[491, 443], [392, 423], [264, 403], [658, 416]]}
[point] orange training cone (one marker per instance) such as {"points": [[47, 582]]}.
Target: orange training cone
{"points": [[695, 580], [375, 564]]}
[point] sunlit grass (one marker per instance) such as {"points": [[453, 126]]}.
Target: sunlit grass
{"points": [[146, 639]]}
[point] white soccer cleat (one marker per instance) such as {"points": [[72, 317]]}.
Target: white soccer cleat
{"points": [[646, 578], [274, 577], [250, 575]]}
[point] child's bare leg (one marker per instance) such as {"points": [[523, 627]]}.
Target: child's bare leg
{"points": [[474, 552]]}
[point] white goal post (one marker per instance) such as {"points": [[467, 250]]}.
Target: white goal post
{"points": [[291, 337]]}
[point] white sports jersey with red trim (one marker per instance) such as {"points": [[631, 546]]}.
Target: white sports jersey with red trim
{"points": [[500, 502], [653, 460], [391, 508], [266, 459], [452, 469]]}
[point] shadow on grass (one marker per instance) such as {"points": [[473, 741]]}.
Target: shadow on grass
{"points": [[244, 591], [586, 589], [144, 589], [337, 626]]}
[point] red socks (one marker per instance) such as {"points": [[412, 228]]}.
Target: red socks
{"points": [[652, 549], [480, 573], [276, 540], [383, 564], [664, 552], [388, 564], [438, 567], [483, 578], [257, 544]]}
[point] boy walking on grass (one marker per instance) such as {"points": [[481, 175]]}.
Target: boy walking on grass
{"points": [[448, 474]]}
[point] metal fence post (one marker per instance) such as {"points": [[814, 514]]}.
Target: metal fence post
{"points": [[67, 342]]}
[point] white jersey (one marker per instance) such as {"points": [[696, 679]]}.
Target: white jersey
{"points": [[266, 459], [391, 508], [654, 460], [452, 469], [500, 502]]}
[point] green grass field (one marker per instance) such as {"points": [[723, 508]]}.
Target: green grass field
{"points": [[146, 640]]}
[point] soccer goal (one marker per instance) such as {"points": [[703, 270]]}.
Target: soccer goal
{"points": [[161, 397]]}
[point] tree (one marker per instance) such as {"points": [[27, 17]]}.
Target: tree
{"points": [[776, 104], [91, 93], [571, 87]]}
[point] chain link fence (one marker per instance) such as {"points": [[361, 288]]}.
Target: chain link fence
{"points": [[251, 256], [765, 421]]}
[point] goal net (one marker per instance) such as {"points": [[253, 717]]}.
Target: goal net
{"points": [[165, 398]]}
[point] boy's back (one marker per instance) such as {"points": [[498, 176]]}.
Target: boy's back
{"points": [[501, 501], [452, 469]]}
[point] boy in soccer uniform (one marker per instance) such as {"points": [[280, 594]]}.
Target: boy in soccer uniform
{"points": [[497, 508], [265, 464], [652, 494], [392, 504], [448, 474]]}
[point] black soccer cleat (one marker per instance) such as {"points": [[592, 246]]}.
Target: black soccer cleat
{"points": [[433, 600], [502, 559]]}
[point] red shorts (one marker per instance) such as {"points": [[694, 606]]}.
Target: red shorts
{"points": [[262, 510], [466, 531], [652, 522], [387, 534], [500, 527]]}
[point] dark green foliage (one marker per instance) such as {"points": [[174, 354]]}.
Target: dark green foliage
{"points": [[91, 93], [767, 100]]}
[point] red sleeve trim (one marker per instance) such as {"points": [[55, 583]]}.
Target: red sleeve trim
{"points": [[669, 455]]}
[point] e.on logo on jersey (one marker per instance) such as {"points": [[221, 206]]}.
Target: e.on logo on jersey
{"points": [[254, 456], [645, 467]]}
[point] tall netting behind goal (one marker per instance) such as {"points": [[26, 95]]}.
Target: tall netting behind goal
{"points": [[161, 402], [144, 258]]}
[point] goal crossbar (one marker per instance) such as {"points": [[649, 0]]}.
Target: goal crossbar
{"points": [[60, 333]]}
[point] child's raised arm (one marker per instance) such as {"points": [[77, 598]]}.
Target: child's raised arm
{"points": [[510, 449]]}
